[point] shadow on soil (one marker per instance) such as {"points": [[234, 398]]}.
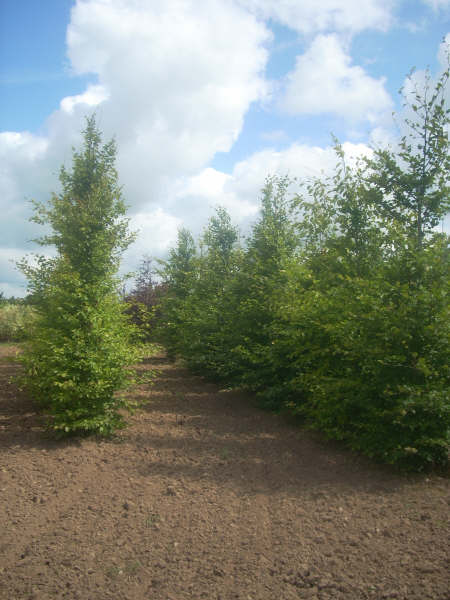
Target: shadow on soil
{"points": [[189, 429], [202, 432]]}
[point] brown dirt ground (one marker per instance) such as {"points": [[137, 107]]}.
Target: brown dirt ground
{"points": [[205, 496]]}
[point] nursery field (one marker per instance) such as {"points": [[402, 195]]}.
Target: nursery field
{"points": [[206, 496]]}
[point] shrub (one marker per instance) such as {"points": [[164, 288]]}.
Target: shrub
{"points": [[15, 322]]}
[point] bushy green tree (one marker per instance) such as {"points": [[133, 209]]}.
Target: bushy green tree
{"points": [[81, 347], [208, 323], [178, 274], [195, 312], [364, 319], [271, 245]]}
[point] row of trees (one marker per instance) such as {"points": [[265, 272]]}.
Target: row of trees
{"points": [[336, 308]]}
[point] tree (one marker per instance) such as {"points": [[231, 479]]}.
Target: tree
{"points": [[337, 309], [178, 274], [271, 246], [81, 343], [208, 321], [145, 298], [178, 270], [143, 290], [412, 186], [364, 321], [220, 238]]}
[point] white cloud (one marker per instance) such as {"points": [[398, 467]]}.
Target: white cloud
{"points": [[419, 79], [13, 284], [157, 233], [312, 16], [414, 85], [22, 156], [298, 161], [380, 137], [26, 145], [179, 83], [92, 97], [325, 81], [201, 193]]}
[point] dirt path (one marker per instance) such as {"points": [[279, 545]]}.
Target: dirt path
{"points": [[205, 496]]}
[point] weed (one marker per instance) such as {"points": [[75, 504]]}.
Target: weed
{"points": [[132, 567], [225, 454], [113, 572], [152, 519]]}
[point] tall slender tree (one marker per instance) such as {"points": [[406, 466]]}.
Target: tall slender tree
{"points": [[80, 347], [178, 274]]}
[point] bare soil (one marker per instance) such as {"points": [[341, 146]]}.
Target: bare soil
{"points": [[206, 496]]}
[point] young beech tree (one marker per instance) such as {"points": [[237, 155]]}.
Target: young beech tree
{"points": [[207, 318], [271, 245], [178, 274], [76, 360], [412, 186]]}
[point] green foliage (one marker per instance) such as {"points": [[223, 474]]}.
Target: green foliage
{"points": [[366, 357], [337, 308], [82, 343], [15, 321], [412, 186], [271, 245], [206, 324], [178, 274]]}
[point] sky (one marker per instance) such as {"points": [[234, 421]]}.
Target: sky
{"points": [[205, 98]]}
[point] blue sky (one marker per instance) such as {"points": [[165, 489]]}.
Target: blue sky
{"points": [[33, 62], [205, 99]]}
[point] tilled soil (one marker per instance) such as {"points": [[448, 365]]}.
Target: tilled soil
{"points": [[206, 496]]}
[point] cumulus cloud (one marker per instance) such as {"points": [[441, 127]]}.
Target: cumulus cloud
{"points": [[325, 81], [157, 232], [417, 81], [12, 284], [311, 16], [416, 84], [172, 85], [21, 158], [178, 83], [93, 96]]}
